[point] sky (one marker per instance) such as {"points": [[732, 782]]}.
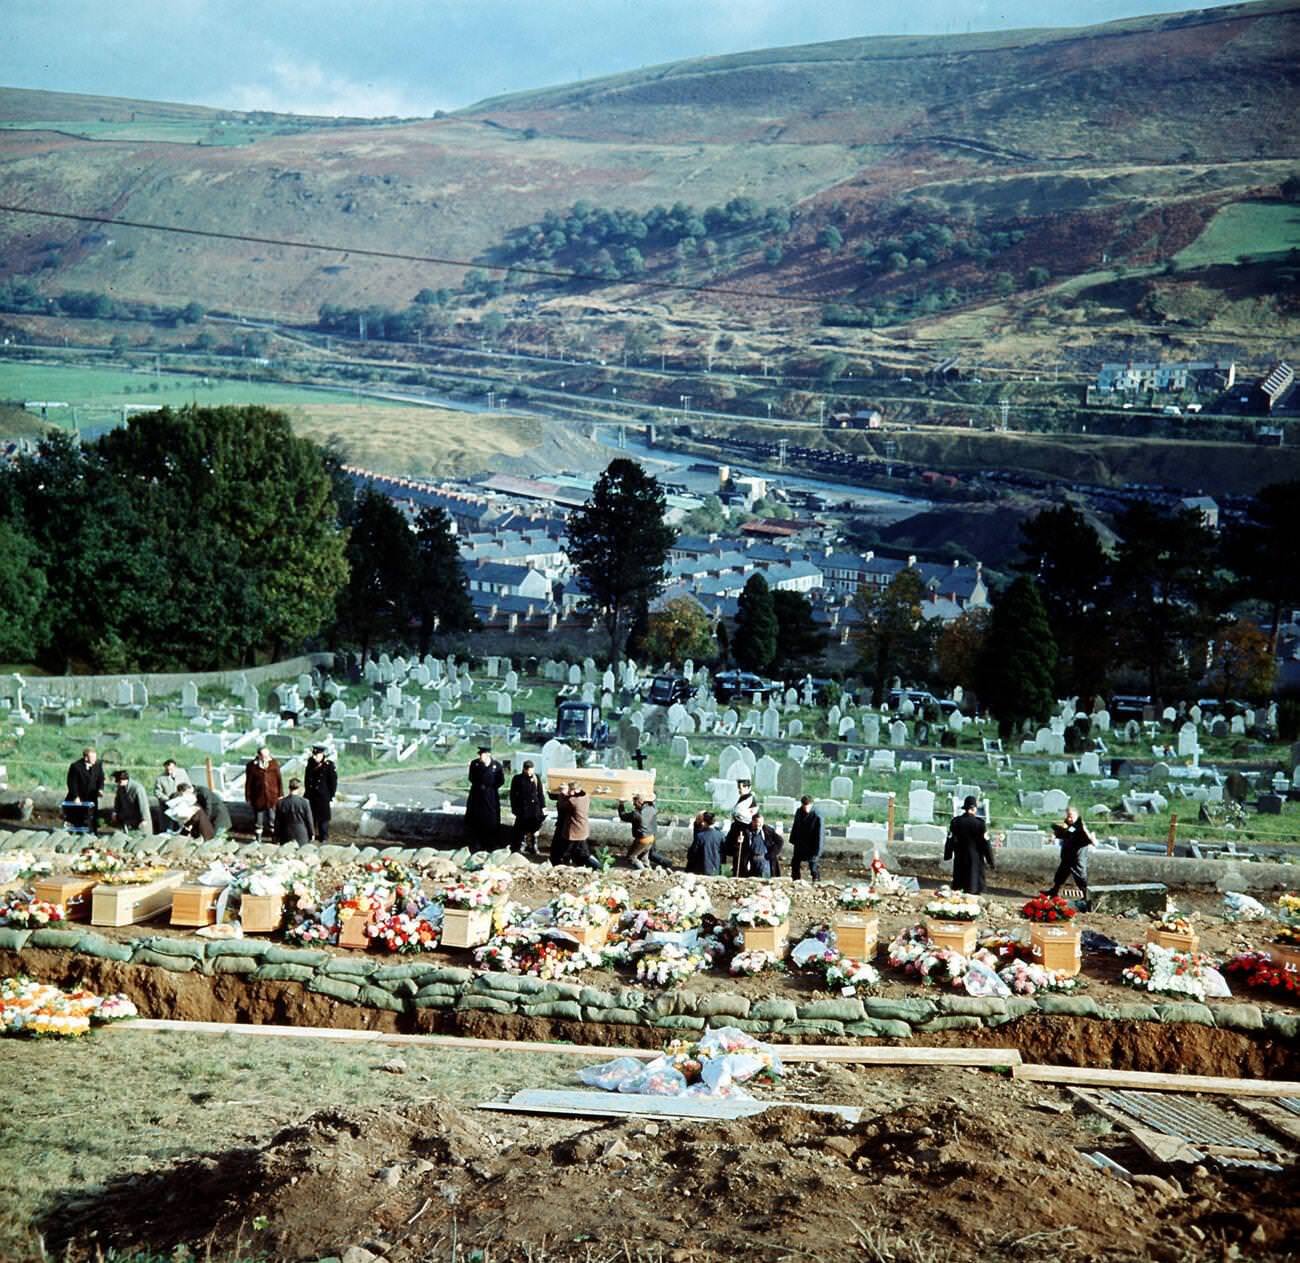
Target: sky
{"points": [[373, 58]]}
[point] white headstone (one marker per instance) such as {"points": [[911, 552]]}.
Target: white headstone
{"points": [[920, 806], [1055, 801], [1090, 763], [847, 725], [575, 675], [794, 729], [871, 730], [771, 723], [842, 788], [765, 770], [897, 733], [956, 721]]}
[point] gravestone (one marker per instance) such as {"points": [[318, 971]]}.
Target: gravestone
{"points": [[791, 697], [829, 809], [492, 665], [629, 733], [420, 674], [1219, 727], [504, 703], [846, 726], [1187, 742], [1101, 721], [337, 710], [907, 708], [842, 788], [189, 698], [1169, 714], [1237, 726], [1055, 801], [789, 779], [728, 758], [589, 692], [794, 729], [771, 723], [871, 730], [877, 802], [956, 722], [688, 670], [765, 774], [920, 806], [1132, 731], [677, 717], [575, 675], [833, 718], [248, 699], [1090, 764], [433, 712], [730, 719], [897, 733], [882, 761], [680, 749], [511, 682], [922, 735]]}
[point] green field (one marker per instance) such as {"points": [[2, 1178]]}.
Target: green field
{"points": [[1245, 230], [112, 387]]}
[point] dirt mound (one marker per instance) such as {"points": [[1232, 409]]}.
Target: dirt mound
{"points": [[941, 1180]]}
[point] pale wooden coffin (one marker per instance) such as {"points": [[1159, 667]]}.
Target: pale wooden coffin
{"points": [[129, 905], [604, 782]]}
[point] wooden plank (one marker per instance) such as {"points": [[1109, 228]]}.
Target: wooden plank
{"points": [[1146, 1080], [891, 1056]]}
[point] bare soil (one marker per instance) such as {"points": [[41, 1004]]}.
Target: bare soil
{"points": [[947, 1165]]}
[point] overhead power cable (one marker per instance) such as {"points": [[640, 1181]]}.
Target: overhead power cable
{"points": [[526, 270]]}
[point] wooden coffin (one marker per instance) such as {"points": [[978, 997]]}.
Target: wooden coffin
{"points": [[956, 936], [1057, 947], [261, 914], [1172, 939], [129, 905], [352, 932], [603, 782], [466, 927], [72, 890], [857, 936], [767, 938], [194, 905], [592, 936]]}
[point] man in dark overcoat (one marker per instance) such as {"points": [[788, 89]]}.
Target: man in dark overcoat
{"points": [[483, 804], [322, 783], [968, 848], [293, 822], [806, 834], [85, 784], [528, 803]]}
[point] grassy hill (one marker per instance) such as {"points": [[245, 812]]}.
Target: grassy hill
{"points": [[1065, 148]]}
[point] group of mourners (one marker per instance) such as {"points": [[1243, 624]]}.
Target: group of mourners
{"points": [[177, 806], [752, 846]]}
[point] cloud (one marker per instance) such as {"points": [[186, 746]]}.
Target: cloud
{"points": [[306, 87]]}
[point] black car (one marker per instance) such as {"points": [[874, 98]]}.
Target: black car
{"points": [[667, 689], [729, 684]]}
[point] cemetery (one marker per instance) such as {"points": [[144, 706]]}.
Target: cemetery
{"points": [[874, 992]]}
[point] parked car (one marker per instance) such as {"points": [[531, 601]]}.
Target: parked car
{"points": [[920, 698], [667, 689], [1128, 705], [579, 723], [729, 684]]}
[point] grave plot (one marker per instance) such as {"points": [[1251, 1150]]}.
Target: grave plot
{"points": [[627, 958]]}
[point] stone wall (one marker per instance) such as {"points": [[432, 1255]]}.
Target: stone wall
{"points": [[103, 688]]}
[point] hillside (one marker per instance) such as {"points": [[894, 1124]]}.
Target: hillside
{"points": [[1024, 154]]}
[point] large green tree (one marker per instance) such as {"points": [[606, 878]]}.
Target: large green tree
{"points": [[1167, 593], [244, 472], [194, 538], [375, 606], [800, 643], [680, 629], [1063, 554], [894, 637], [1264, 553], [754, 644], [440, 590], [1017, 678], [618, 543], [24, 614]]}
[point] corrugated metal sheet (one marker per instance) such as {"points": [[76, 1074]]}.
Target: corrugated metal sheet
{"points": [[1196, 1121]]}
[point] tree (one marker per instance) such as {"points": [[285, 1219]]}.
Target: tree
{"points": [[754, 644], [439, 588], [680, 629], [1242, 663], [800, 643], [375, 605], [263, 492], [1016, 683], [1063, 554], [1264, 552], [894, 637], [1167, 593], [959, 650], [24, 615], [618, 543], [830, 239]]}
